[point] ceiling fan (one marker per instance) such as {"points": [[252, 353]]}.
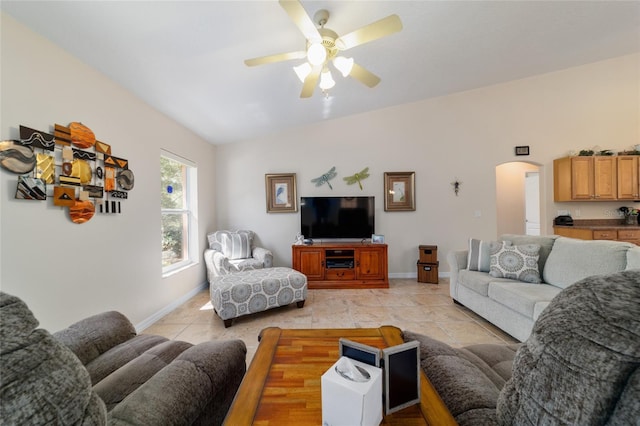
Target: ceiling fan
{"points": [[324, 45]]}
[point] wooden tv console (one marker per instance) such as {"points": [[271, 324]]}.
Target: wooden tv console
{"points": [[342, 265]]}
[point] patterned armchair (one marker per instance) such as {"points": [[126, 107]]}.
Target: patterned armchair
{"points": [[234, 251]]}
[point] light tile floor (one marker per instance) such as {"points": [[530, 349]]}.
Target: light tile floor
{"points": [[407, 304]]}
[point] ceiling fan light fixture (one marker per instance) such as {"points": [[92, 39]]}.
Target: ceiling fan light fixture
{"points": [[316, 54], [302, 71], [326, 80], [344, 65]]}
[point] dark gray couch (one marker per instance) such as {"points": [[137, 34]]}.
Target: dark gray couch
{"points": [[580, 366], [100, 371]]}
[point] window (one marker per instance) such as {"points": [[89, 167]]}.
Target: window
{"points": [[178, 204]]}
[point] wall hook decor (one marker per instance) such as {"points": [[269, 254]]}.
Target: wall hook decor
{"points": [[456, 186], [358, 177], [325, 178]]}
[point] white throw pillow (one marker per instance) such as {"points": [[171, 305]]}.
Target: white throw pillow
{"points": [[516, 262], [236, 245]]}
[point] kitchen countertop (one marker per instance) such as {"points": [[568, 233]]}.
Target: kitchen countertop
{"points": [[598, 224]]}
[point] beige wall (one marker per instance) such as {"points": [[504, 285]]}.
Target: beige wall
{"points": [[464, 135], [67, 271]]}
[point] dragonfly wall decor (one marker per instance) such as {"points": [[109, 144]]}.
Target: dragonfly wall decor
{"points": [[358, 177], [325, 178]]}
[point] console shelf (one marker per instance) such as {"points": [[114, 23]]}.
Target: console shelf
{"points": [[342, 265]]}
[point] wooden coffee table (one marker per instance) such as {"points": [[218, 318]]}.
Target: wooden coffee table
{"points": [[282, 384]]}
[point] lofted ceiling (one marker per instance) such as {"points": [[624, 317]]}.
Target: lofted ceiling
{"points": [[185, 58]]}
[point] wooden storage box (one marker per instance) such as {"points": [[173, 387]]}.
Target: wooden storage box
{"points": [[428, 272], [428, 254]]}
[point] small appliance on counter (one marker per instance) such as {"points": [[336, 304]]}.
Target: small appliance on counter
{"points": [[563, 220]]}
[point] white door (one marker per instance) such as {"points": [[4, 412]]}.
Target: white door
{"points": [[532, 203]]}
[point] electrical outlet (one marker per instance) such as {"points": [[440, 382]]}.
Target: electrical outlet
{"points": [[576, 213]]}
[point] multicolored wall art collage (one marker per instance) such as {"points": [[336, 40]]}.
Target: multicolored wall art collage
{"points": [[71, 167]]}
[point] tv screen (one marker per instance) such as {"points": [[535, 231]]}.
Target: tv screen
{"points": [[337, 217]]}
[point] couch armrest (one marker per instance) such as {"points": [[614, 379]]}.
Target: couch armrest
{"points": [[217, 264], [195, 388], [263, 255], [457, 260], [91, 337]]}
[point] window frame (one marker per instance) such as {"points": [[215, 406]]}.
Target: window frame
{"points": [[190, 190]]}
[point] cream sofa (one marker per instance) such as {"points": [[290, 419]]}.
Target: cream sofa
{"points": [[514, 305]]}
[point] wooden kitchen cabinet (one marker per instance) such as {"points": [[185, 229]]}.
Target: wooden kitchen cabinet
{"points": [[342, 265], [591, 178], [629, 235], [628, 177]]}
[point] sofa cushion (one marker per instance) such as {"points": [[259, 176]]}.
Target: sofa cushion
{"points": [[545, 242], [580, 364], [538, 308], [633, 258], [572, 260], [93, 336], [41, 380], [121, 354], [480, 253], [478, 281], [516, 262], [126, 379], [522, 297]]}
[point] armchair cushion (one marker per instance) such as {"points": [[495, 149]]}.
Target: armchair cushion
{"points": [[234, 251], [232, 244], [237, 245]]}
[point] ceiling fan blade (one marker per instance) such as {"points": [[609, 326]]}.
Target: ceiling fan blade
{"points": [[302, 20], [373, 31], [364, 76], [310, 82], [275, 58]]}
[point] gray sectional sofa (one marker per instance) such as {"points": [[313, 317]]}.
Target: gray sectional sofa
{"points": [[514, 304], [99, 371]]}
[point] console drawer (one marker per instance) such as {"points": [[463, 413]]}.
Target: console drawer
{"points": [[611, 234], [340, 274]]}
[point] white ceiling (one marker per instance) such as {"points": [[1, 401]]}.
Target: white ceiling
{"points": [[185, 58]]}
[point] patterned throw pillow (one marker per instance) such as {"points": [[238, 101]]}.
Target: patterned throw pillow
{"points": [[480, 254], [516, 262]]}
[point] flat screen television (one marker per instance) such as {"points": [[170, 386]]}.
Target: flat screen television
{"points": [[337, 217]]}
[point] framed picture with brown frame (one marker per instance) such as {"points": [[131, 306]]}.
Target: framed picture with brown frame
{"points": [[399, 191], [281, 193]]}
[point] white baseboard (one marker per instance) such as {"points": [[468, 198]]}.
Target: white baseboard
{"points": [[167, 309]]}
